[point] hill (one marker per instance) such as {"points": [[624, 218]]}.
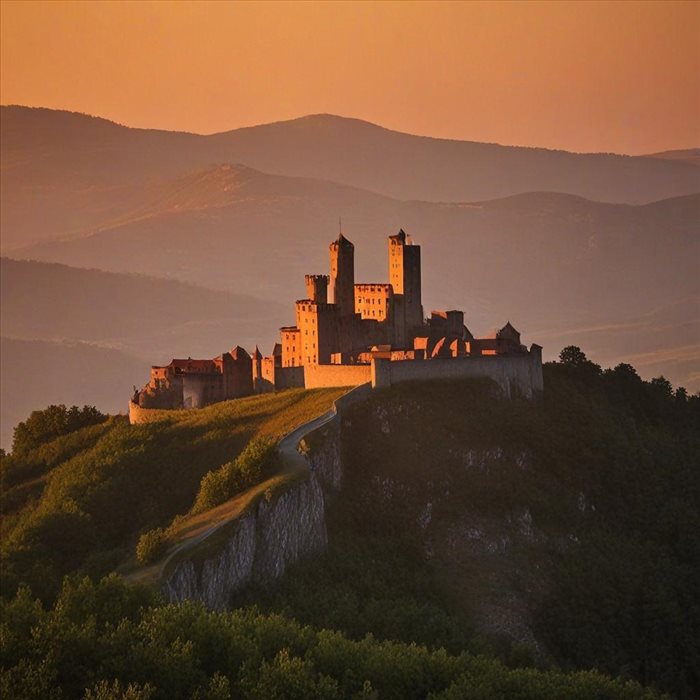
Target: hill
{"points": [[689, 155], [65, 173], [559, 534], [567, 528], [123, 480], [562, 268], [154, 318]]}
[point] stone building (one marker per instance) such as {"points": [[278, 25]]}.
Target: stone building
{"points": [[345, 333]]}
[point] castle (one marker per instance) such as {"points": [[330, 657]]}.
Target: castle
{"points": [[346, 334]]}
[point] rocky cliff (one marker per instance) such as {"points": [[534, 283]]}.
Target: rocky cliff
{"points": [[258, 546], [278, 530]]}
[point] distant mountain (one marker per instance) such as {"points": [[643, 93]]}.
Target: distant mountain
{"points": [[688, 155], [65, 173], [153, 318], [556, 265], [36, 373]]}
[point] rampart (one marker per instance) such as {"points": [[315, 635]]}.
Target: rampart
{"points": [[318, 376], [138, 414], [515, 374]]}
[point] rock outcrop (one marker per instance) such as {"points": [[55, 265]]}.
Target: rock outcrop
{"points": [[258, 547], [277, 531]]}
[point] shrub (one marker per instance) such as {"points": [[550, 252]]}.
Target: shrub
{"points": [[250, 467], [151, 545]]}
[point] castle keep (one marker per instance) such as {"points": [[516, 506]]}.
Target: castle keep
{"points": [[346, 334]]}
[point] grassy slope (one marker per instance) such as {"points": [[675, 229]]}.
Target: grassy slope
{"points": [[87, 497]]}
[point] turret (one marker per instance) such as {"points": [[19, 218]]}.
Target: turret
{"points": [[317, 287], [342, 253]]}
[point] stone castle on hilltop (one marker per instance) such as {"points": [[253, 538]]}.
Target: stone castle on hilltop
{"points": [[346, 334]]}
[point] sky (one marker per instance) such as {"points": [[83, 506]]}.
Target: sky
{"points": [[590, 76]]}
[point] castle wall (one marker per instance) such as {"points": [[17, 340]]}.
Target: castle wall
{"points": [[289, 377], [373, 301], [239, 378], [201, 389], [291, 347], [139, 415], [513, 373], [317, 376], [268, 368], [318, 331]]}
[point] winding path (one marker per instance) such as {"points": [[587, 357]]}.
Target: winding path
{"points": [[293, 462]]}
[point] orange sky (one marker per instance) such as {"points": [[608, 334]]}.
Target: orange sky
{"points": [[587, 76]]}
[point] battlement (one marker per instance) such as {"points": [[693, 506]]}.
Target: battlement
{"points": [[313, 305], [317, 287], [373, 287], [315, 278]]}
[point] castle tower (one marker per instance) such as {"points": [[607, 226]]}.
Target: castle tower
{"points": [[404, 276], [343, 275], [317, 287], [257, 370]]}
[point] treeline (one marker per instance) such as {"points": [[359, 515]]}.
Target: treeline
{"points": [[108, 641]]}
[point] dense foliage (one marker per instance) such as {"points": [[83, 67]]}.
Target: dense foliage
{"points": [[44, 426], [151, 545], [256, 462], [113, 642]]}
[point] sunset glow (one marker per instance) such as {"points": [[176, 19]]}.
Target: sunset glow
{"points": [[620, 77]]}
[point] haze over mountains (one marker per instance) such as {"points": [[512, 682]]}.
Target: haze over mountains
{"points": [[506, 233], [64, 172]]}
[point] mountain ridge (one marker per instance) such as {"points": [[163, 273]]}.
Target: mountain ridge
{"points": [[62, 171]]}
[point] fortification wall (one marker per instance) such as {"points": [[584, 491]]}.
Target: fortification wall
{"points": [[289, 377], [318, 376], [138, 415], [513, 373]]}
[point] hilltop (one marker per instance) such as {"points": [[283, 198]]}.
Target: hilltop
{"points": [[484, 531]]}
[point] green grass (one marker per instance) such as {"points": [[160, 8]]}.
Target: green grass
{"points": [[116, 481]]}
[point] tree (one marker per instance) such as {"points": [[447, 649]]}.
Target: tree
{"points": [[55, 420], [662, 386], [572, 355]]}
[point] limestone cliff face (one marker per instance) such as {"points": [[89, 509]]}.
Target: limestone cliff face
{"points": [[258, 547]]}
